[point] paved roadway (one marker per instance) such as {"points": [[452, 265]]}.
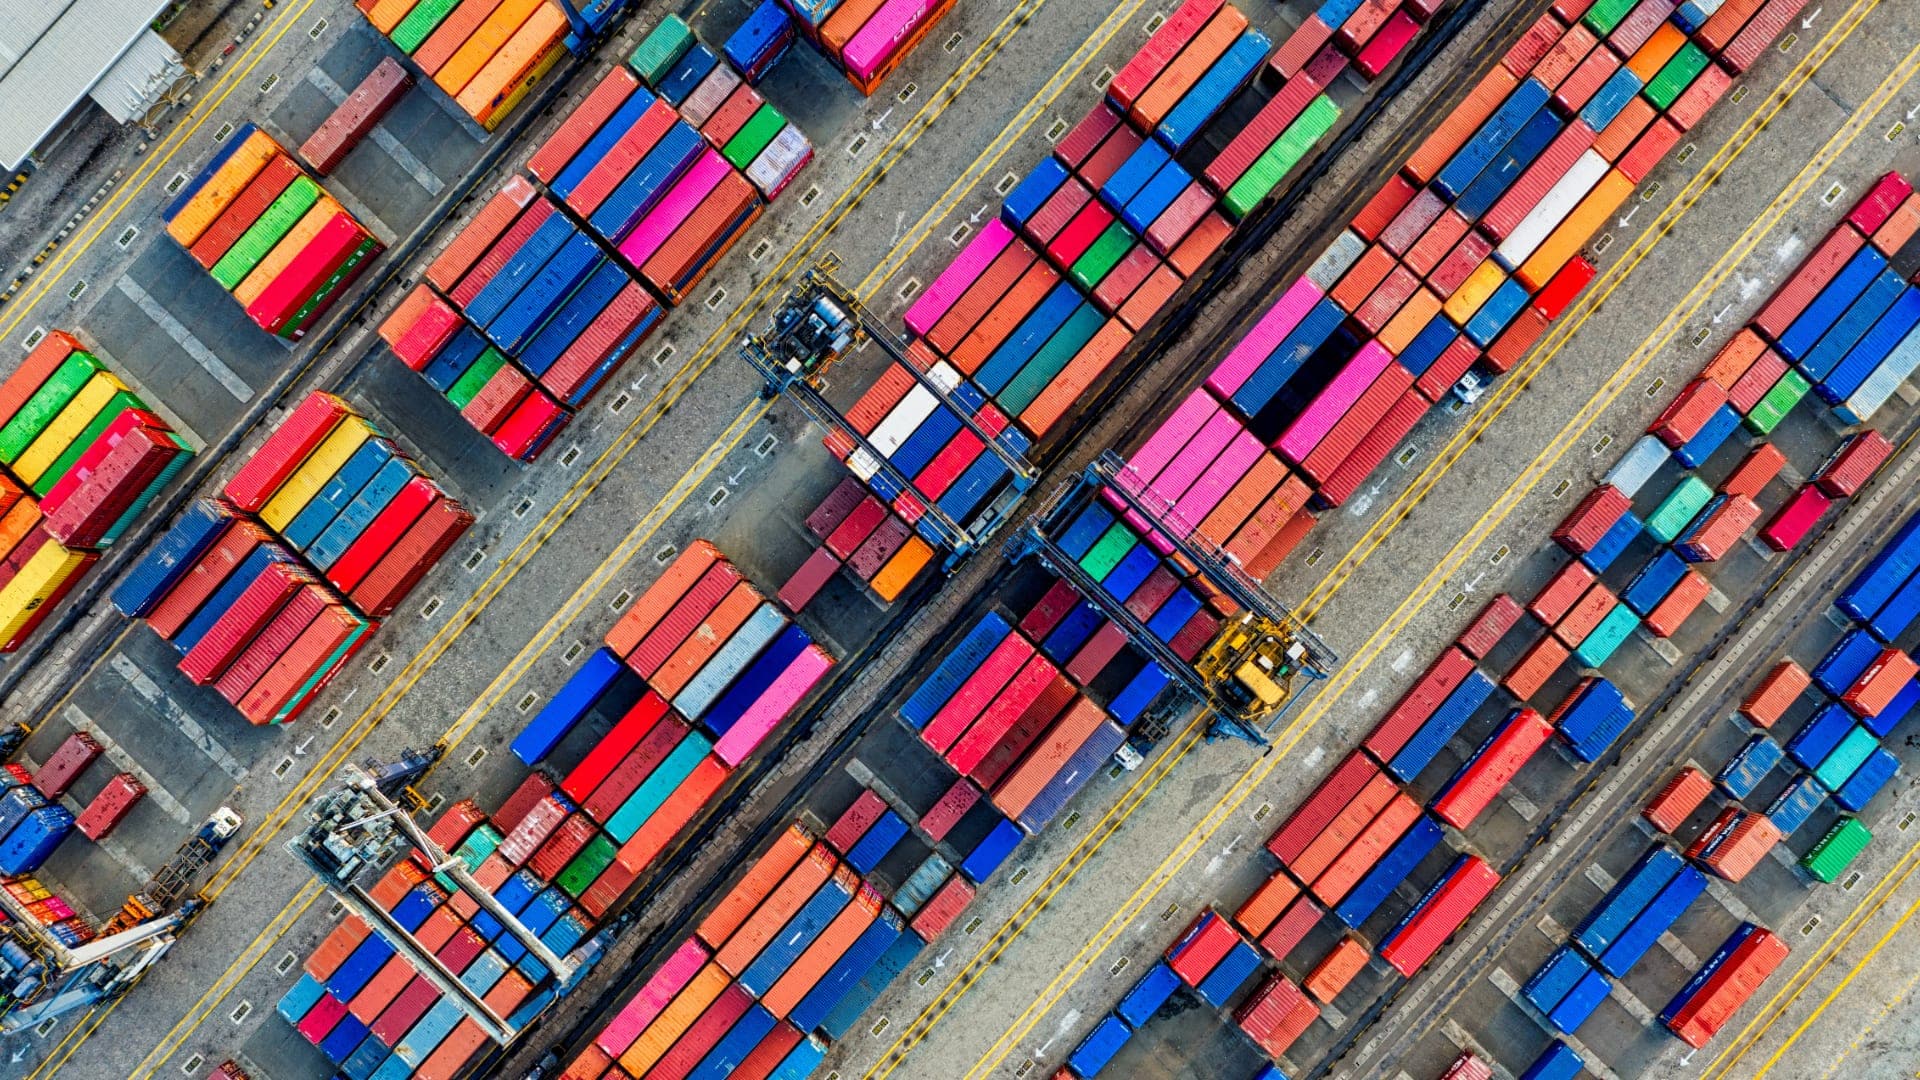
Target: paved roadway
{"points": [[1136, 926]]}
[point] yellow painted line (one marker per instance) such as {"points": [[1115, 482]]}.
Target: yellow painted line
{"points": [[268, 39], [1814, 1017], [1530, 479], [64, 1049], [219, 989], [1892, 1002]]}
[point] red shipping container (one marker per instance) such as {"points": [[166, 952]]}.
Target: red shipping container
{"points": [[1776, 693], [1758, 469], [1533, 45], [413, 500], [1093, 657], [1734, 358], [244, 210], [634, 768], [1365, 275], [687, 614], [1723, 25], [1367, 413], [939, 913], [487, 225], [582, 123], [581, 361], [483, 267], [940, 819], [1207, 941], [1677, 800], [532, 830], [1559, 292], [1031, 725], [1758, 34], [1411, 222], [621, 158], [1501, 614], [1649, 150], [1592, 73], [1573, 47], [1251, 141], [1473, 789], [1054, 605], [1460, 124], [1289, 929], [614, 747], [1441, 913], [1813, 274], [1702, 94], [1114, 151], [1266, 904], [982, 687], [1689, 411], [267, 468], [1747, 391], [854, 821], [1387, 45], [1790, 525], [1305, 43], [1441, 237], [1386, 300], [1017, 791], [110, 807], [1591, 518], [1727, 989], [1166, 43], [568, 840], [1579, 621], [207, 575], [1383, 208], [1850, 466], [267, 648], [241, 624], [65, 765], [1534, 669], [999, 715], [1557, 597], [1513, 343], [1332, 884], [430, 538], [1899, 228], [1374, 448], [1320, 808], [1321, 852], [1415, 706], [1885, 677], [1077, 145], [350, 122]]}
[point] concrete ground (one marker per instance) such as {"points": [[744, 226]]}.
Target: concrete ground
{"points": [[683, 450]]}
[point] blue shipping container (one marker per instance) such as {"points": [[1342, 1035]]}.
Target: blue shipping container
{"points": [[1659, 916], [1147, 995], [1377, 884], [1224, 79], [1441, 727], [169, 559], [1099, 1047], [991, 852], [966, 657], [575, 699], [1627, 899]]}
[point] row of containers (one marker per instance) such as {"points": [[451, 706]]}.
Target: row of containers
{"points": [[264, 229], [81, 456], [538, 299], [266, 591], [625, 757], [1361, 834], [34, 822]]}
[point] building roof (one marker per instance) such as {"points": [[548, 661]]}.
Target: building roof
{"points": [[52, 52]]}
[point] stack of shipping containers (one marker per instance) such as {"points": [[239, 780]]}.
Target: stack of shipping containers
{"points": [[865, 39], [268, 233], [268, 590], [83, 455]]}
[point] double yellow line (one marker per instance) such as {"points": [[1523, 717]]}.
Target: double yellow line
{"points": [[1681, 205]]}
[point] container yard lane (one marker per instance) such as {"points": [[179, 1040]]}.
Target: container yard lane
{"points": [[1101, 26], [1770, 154]]}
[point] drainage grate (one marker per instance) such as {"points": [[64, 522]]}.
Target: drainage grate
{"points": [[79, 289], [474, 560], [811, 194], [1810, 925], [336, 910], [879, 1027], [573, 652], [1261, 814], [331, 718], [269, 82], [427, 609], [1500, 555], [191, 1066], [665, 555], [524, 506], [527, 701], [1019, 876], [1700, 336], [571, 455], [379, 663], [1685, 153], [906, 93], [619, 402], [1601, 245], [126, 238], [1072, 820], [1025, 1068], [221, 134], [716, 497], [858, 144], [1787, 43], [1832, 194], [319, 27], [1119, 965], [1852, 880], [760, 250], [665, 354], [973, 924], [174, 185], [1172, 910], [1560, 488], [1653, 390], [1408, 456], [478, 755], [1652, 190], [1101, 80], [716, 298], [766, 446], [1739, 94], [284, 766], [1600, 447], [241, 1011], [1894, 131], [286, 963], [1058, 129], [960, 233], [35, 337], [1314, 555], [1154, 22], [1458, 599], [1906, 823], [1006, 183], [619, 600], [436, 800], [952, 43], [909, 288]]}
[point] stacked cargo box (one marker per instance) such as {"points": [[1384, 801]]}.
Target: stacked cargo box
{"points": [[1372, 35], [866, 39], [59, 919], [269, 234], [371, 1012], [486, 55], [714, 93], [786, 959], [723, 668], [33, 823], [83, 456], [323, 531], [1718, 990], [861, 534]]}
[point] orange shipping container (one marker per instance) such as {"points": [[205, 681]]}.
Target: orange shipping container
{"points": [[453, 32], [284, 252], [464, 1041], [386, 14], [530, 53], [1647, 61], [1412, 318], [1266, 904], [1373, 841], [1282, 544], [379, 992], [1014, 793], [1472, 293], [438, 929], [1618, 136], [900, 570], [681, 807], [1776, 693], [1153, 294], [686, 661], [1734, 358], [980, 297], [1243, 500], [228, 181], [760, 879], [825, 951], [336, 947], [1187, 69], [1461, 123], [796, 889], [1068, 387], [674, 1020], [1337, 969], [1536, 667], [1001, 321], [846, 21], [660, 597], [470, 57], [1572, 235], [1323, 849]]}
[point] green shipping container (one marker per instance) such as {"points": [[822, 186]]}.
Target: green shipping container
{"points": [[587, 866], [1606, 638], [1100, 258], [313, 305], [275, 223], [753, 136], [662, 782], [1778, 403], [1675, 76], [1052, 359], [45, 404], [1604, 15], [477, 376], [1107, 552], [1273, 165], [420, 22], [661, 50], [1677, 510], [117, 404], [1842, 844], [1845, 758], [479, 844]]}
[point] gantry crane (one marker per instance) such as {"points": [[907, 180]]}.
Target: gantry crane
{"points": [[820, 322], [1246, 677]]}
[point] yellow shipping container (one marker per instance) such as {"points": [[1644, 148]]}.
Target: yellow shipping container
{"points": [[1412, 317], [228, 181], [387, 14], [1573, 233], [906, 564], [313, 473], [67, 425], [33, 586], [674, 1020], [1474, 291], [488, 99], [290, 245], [466, 62]]}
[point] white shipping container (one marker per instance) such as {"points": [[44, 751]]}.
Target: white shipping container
{"points": [[1332, 264], [1638, 465], [783, 157], [1560, 200], [913, 410], [1879, 386], [709, 95]]}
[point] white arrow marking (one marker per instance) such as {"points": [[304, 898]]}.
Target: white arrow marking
{"points": [[881, 120], [301, 749], [734, 480], [974, 218], [941, 960], [1629, 216], [1913, 112], [1807, 23], [1721, 315]]}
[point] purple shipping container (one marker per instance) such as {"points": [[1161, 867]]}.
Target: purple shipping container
{"points": [[646, 1004], [959, 274], [1326, 410], [1266, 335], [772, 707], [675, 207]]}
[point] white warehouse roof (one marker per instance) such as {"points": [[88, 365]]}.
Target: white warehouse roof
{"points": [[52, 53]]}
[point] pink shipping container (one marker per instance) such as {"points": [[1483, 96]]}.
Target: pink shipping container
{"points": [[1759, 33], [1790, 525], [533, 830], [939, 913], [772, 707], [1300, 48], [1219, 478], [1340, 395], [647, 1003], [675, 207], [1280, 320], [855, 820], [1386, 45], [945, 814], [884, 34], [1366, 414], [1188, 417], [965, 268]]}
